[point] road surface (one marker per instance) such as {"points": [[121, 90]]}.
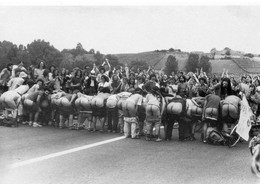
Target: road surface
{"points": [[50, 155]]}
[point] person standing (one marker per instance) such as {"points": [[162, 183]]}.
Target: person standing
{"points": [[38, 72], [5, 76]]}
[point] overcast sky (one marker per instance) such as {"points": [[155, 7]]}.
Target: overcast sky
{"points": [[134, 29]]}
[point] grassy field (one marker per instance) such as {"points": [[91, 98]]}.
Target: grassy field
{"points": [[157, 61]]}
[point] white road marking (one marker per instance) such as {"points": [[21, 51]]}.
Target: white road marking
{"points": [[38, 159]]}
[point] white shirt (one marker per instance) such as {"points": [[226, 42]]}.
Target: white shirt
{"points": [[15, 82], [105, 84]]}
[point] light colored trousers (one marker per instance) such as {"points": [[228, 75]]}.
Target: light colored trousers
{"points": [[130, 126]]}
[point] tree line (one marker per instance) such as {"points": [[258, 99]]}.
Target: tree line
{"points": [[194, 62], [41, 50]]}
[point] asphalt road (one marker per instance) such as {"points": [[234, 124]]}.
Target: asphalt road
{"points": [[122, 161]]}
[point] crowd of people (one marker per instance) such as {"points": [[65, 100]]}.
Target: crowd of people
{"points": [[133, 103]]}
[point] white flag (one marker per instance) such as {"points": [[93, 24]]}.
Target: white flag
{"points": [[244, 123]]}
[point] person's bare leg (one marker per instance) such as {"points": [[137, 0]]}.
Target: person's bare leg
{"points": [[36, 116], [102, 123], [94, 123], [61, 121]]}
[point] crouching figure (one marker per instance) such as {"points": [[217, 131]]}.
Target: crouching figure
{"points": [[130, 111]]}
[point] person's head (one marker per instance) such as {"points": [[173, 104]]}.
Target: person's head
{"points": [[117, 69], [148, 86], [153, 77], [45, 73], [106, 67], [132, 75], [202, 81], [67, 71], [23, 75], [85, 73], [215, 81], [40, 82], [180, 73], [63, 71], [138, 91], [41, 65], [92, 74], [104, 78], [31, 68], [52, 68], [182, 79], [243, 79], [256, 82], [47, 91], [102, 70], [252, 88], [78, 73], [132, 81], [115, 78], [55, 72], [172, 80], [9, 66], [141, 79], [225, 82], [225, 87]]}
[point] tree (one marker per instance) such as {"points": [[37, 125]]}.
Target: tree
{"points": [[171, 65], [12, 53], [171, 50], [249, 55], [81, 61], [228, 53], [99, 58], [5, 49], [23, 55], [205, 64], [113, 60], [91, 51], [142, 65], [226, 48], [213, 52], [192, 63], [67, 61], [41, 50], [79, 50]]}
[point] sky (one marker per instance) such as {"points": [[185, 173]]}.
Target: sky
{"points": [[133, 29]]}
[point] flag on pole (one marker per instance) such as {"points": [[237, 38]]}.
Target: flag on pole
{"points": [[244, 124]]}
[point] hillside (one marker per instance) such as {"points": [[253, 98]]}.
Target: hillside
{"points": [[236, 66], [150, 57], [155, 59], [220, 64]]}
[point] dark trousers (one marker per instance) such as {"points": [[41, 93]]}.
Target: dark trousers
{"points": [[45, 115], [185, 127], [112, 118], [169, 126]]}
